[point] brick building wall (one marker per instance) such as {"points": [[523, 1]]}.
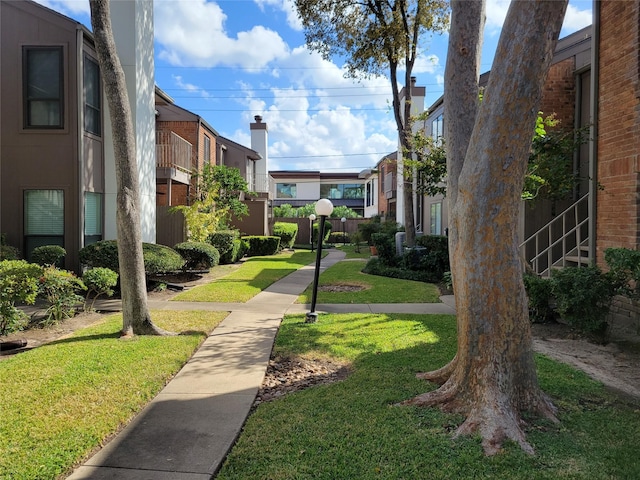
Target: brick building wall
{"points": [[559, 93], [386, 206], [187, 130], [618, 156]]}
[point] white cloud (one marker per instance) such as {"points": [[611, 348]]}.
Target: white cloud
{"points": [[288, 7], [426, 64], [578, 16], [67, 7], [193, 34], [496, 13], [575, 18], [190, 87]]}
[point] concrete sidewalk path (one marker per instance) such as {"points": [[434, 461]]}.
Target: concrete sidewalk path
{"points": [[187, 430]]}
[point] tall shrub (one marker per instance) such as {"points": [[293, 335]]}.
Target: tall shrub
{"points": [[583, 296], [157, 258], [287, 233], [18, 283], [60, 289]]}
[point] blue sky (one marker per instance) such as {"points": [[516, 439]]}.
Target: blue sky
{"points": [[228, 60]]}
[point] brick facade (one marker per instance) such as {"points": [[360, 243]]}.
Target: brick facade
{"points": [[559, 92], [618, 153], [194, 133]]}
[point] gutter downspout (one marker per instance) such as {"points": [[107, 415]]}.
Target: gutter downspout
{"points": [[593, 133], [80, 132]]}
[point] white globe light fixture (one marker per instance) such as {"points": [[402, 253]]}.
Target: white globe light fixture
{"points": [[324, 207]]}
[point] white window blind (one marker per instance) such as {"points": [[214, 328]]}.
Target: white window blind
{"points": [[44, 212], [92, 213]]}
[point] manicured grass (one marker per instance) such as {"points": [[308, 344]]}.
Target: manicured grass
{"points": [[350, 250], [352, 430], [255, 274], [61, 400], [376, 289]]}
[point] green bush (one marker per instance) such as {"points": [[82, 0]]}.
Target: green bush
{"points": [[59, 288], [198, 255], [386, 246], [18, 283], [46, 255], [223, 240], [99, 281], [157, 258], [624, 267], [539, 293], [7, 252], [160, 259], [261, 245], [430, 256], [287, 233], [376, 267], [447, 280], [367, 229], [583, 296], [327, 231], [339, 237], [239, 249]]}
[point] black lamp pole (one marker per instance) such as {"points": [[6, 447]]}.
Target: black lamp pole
{"points": [[324, 207], [312, 217]]}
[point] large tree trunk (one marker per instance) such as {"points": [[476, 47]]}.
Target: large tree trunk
{"points": [[492, 380], [135, 312]]}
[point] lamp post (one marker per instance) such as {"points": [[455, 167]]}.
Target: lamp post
{"points": [[324, 207], [343, 220], [312, 217]]}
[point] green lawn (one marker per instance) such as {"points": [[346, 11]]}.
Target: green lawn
{"points": [[352, 430], [255, 274], [350, 250], [61, 400], [375, 289]]}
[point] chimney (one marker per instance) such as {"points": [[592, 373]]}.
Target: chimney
{"points": [[259, 137]]}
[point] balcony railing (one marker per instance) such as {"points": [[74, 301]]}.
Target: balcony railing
{"points": [[258, 183], [173, 151]]}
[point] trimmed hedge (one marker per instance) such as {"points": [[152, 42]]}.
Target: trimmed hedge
{"points": [[287, 233], [376, 267], [339, 237], [327, 231], [262, 245], [48, 255], [224, 241], [238, 251], [198, 255], [157, 258], [7, 252]]}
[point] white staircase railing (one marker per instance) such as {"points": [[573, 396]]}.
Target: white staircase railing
{"points": [[562, 242]]}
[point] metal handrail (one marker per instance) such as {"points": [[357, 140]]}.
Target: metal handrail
{"points": [[551, 243]]}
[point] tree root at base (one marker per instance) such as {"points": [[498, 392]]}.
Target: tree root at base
{"points": [[491, 415]]}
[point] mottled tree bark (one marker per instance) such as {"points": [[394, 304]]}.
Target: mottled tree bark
{"points": [[492, 380], [135, 312]]}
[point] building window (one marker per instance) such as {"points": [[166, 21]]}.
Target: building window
{"points": [[42, 87], [43, 219], [371, 193], [286, 190], [437, 127], [92, 91], [353, 191], [92, 217], [435, 219], [207, 149]]}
